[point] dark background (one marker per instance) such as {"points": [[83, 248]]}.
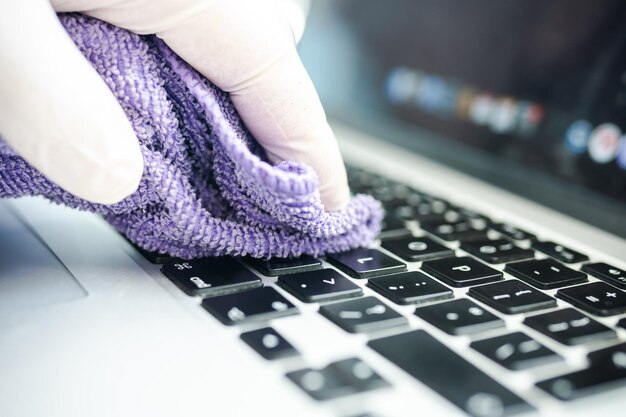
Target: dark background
{"points": [[567, 55]]}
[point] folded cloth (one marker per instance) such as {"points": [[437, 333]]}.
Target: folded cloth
{"points": [[207, 189]]}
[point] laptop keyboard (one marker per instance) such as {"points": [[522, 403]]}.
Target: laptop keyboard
{"points": [[466, 275]]}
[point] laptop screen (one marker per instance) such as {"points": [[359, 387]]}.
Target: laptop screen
{"points": [[538, 84]]}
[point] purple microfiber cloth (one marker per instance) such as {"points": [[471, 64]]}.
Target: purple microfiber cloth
{"points": [[207, 189]]}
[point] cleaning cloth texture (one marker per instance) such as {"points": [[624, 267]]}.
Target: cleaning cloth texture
{"points": [[207, 188]]}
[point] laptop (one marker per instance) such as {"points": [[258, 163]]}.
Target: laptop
{"points": [[493, 134]]}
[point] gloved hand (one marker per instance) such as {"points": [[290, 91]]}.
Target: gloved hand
{"points": [[60, 116]]}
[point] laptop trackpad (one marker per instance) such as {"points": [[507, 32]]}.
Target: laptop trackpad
{"points": [[31, 276]]}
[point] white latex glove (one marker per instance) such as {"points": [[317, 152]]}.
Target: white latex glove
{"points": [[60, 116]]}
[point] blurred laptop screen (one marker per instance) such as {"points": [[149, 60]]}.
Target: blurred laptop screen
{"points": [[541, 83]]}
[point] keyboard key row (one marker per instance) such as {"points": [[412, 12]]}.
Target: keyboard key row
{"points": [[432, 217]]}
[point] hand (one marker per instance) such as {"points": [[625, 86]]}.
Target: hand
{"points": [[59, 115]]}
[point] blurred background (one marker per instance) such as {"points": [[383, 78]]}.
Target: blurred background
{"points": [[515, 83]]}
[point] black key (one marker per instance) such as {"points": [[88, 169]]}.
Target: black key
{"points": [[338, 379], [281, 266], [362, 315], [511, 232], [515, 351], [569, 327], [617, 352], [559, 252], [438, 204], [393, 226], [269, 343], [358, 374], [545, 273], [410, 287], [596, 298], [478, 221], [254, 305], [472, 215], [321, 285], [512, 297], [445, 372], [366, 263], [607, 371], [496, 251], [461, 272], [459, 317], [462, 230], [622, 323], [416, 249], [422, 212], [210, 276], [395, 195], [453, 215], [322, 384], [608, 273]]}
